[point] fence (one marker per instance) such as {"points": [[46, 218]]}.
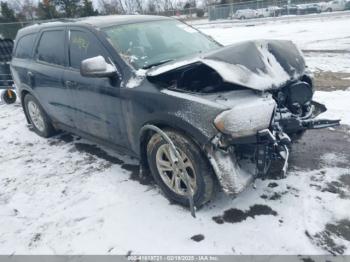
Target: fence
{"points": [[187, 13], [9, 30], [264, 8]]}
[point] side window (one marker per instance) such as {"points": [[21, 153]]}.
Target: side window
{"points": [[25, 46], [83, 45], [51, 47]]}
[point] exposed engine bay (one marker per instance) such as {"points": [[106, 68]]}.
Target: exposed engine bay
{"points": [[197, 78]]}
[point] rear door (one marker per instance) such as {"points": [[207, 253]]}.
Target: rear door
{"points": [[47, 72], [97, 107], [22, 60]]}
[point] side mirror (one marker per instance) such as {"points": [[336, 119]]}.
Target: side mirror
{"points": [[97, 67]]}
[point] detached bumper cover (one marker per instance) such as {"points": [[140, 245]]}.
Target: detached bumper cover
{"points": [[233, 175], [232, 178]]}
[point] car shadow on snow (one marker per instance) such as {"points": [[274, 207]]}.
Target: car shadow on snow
{"points": [[79, 145]]}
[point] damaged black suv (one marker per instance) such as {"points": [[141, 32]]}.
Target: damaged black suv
{"points": [[196, 114]]}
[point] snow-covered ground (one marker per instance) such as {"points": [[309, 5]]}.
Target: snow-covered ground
{"points": [[337, 103], [64, 195]]}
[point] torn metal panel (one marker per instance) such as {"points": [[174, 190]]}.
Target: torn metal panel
{"points": [[232, 177]]}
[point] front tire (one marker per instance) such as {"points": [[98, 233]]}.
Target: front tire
{"points": [[197, 167], [37, 117]]}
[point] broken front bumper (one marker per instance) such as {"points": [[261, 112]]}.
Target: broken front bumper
{"points": [[232, 178], [270, 144], [235, 174], [290, 123]]}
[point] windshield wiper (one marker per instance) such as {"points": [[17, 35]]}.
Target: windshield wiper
{"points": [[157, 63]]}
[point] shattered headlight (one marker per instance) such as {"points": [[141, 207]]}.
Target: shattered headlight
{"points": [[247, 118]]}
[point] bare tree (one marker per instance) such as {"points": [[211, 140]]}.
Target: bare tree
{"points": [[151, 6], [143, 6], [133, 6], [25, 9], [168, 5], [47, 10], [111, 7], [140, 7], [129, 6]]}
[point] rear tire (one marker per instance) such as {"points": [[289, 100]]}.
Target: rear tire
{"points": [[8, 96], [37, 117], [197, 166]]}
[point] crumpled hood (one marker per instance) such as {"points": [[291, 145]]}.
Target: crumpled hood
{"points": [[259, 65]]}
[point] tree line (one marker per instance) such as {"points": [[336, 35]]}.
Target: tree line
{"points": [[15, 14], [23, 10]]}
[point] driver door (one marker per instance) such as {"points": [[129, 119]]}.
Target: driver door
{"points": [[96, 102]]}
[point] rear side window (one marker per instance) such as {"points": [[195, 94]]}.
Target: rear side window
{"points": [[83, 45], [51, 47], [25, 46]]}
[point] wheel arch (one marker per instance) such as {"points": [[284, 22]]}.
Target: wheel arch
{"points": [[146, 135], [23, 94]]}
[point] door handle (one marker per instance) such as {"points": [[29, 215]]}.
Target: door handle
{"points": [[30, 78], [71, 84], [30, 74]]}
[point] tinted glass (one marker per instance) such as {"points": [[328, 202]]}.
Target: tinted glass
{"points": [[51, 47], [25, 46], [83, 45]]}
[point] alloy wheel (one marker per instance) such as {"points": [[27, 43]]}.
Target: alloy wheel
{"points": [[171, 174], [36, 116]]}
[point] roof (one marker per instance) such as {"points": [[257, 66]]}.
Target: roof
{"points": [[95, 21], [103, 21]]}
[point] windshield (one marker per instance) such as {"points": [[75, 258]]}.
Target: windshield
{"points": [[144, 45]]}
